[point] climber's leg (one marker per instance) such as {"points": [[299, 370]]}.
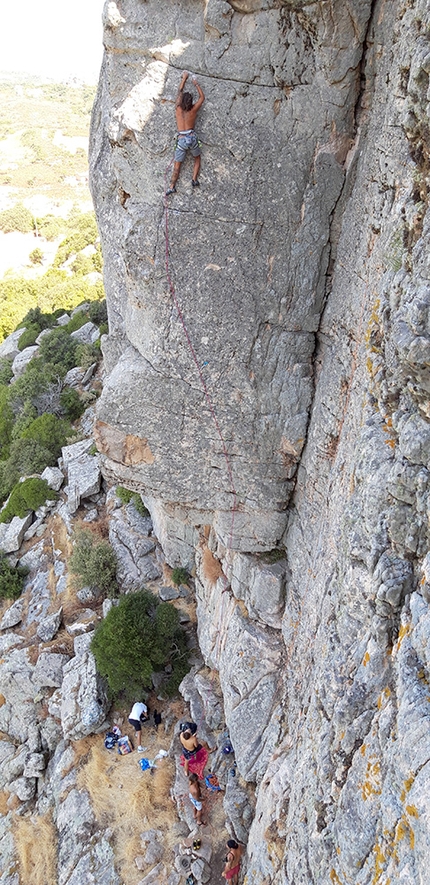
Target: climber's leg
{"points": [[196, 170], [175, 176]]}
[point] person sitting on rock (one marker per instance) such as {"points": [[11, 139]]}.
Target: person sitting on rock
{"points": [[186, 113], [232, 862], [194, 752], [138, 714]]}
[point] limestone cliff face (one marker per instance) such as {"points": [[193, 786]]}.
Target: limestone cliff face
{"points": [[301, 272]]}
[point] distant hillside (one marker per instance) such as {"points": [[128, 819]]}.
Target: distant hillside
{"points": [[43, 142]]}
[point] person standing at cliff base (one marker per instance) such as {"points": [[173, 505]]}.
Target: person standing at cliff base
{"points": [[138, 714], [186, 113], [232, 862], [195, 795]]}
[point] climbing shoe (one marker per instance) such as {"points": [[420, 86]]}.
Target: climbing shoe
{"points": [[170, 190], [195, 182]]}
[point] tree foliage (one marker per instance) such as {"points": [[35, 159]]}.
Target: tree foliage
{"points": [[94, 563], [138, 636], [11, 579], [26, 496]]}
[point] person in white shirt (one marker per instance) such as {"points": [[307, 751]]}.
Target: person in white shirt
{"points": [[138, 714]]}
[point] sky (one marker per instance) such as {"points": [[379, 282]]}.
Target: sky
{"points": [[52, 38]]}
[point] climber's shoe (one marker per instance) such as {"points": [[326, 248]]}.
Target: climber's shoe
{"points": [[195, 182], [170, 190]]}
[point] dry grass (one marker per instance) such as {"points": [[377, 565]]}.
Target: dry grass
{"points": [[36, 846], [127, 799], [211, 567], [4, 807]]}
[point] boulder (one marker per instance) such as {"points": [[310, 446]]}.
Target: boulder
{"points": [[12, 616], [48, 628], [48, 671], [12, 533], [22, 359], [23, 787], [54, 477], [83, 473], [86, 622], [9, 347], [84, 701], [87, 334]]}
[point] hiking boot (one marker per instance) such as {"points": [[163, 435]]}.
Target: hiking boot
{"points": [[195, 182], [170, 190], [140, 749]]}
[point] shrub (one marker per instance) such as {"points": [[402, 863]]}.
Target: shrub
{"points": [[76, 322], [50, 226], [134, 640], [86, 355], [71, 404], [58, 349], [125, 495], [29, 336], [11, 579], [26, 457], [6, 373], [94, 563], [180, 576], [49, 431], [36, 256], [6, 422], [27, 414], [35, 317], [18, 218], [97, 312], [25, 496]]}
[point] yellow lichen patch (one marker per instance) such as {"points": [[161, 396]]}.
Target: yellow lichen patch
{"points": [[391, 443], [366, 659], [363, 749], [380, 861], [385, 694], [405, 630], [404, 830], [371, 785], [406, 787], [412, 810], [334, 877]]}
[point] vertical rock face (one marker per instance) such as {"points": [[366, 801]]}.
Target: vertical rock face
{"points": [[301, 273]]}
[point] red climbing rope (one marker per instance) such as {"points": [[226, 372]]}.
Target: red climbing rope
{"points": [[196, 361]]}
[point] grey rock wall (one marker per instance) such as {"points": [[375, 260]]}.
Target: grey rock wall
{"points": [[301, 271]]}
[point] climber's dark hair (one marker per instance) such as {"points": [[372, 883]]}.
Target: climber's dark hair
{"points": [[186, 735], [232, 844], [187, 101]]}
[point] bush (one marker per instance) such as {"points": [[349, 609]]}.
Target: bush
{"points": [[50, 432], [125, 495], [76, 322], [11, 579], [6, 373], [58, 349], [137, 638], [71, 404], [27, 496], [94, 563], [86, 355], [26, 457], [180, 576], [97, 312], [18, 218], [6, 422], [36, 256], [29, 336]]}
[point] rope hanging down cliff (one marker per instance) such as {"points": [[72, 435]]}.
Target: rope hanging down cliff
{"points": [[197, 362]]}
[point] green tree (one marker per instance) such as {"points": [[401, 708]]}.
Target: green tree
{"points": [[36, 256], [11, 579], [6, 422], [26, 496], [18, 218], [71, 403], [94, 563], [58, 349], [133, 641], [49, 431]]}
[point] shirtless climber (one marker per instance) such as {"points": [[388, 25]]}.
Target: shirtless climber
{"points": [[186, 113]]}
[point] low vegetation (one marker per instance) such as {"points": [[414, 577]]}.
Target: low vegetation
{"points": [[126, 496], [11, 579], [139, 636], [94, 564]]}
